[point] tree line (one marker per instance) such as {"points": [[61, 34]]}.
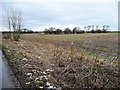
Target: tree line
{"points": [[77, 30]]}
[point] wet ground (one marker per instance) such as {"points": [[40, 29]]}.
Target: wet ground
{"points": [[7, 78]]}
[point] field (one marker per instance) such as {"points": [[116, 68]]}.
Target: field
{"points": [[66, 61]]}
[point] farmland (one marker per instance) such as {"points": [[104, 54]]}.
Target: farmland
{"points": [[67, 61]]}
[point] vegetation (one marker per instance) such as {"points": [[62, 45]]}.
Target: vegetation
{"points": [[13, 20], [77, 30], [67, 31], [67, 61]]}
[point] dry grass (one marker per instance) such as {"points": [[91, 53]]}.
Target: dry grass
{"points": [[76, 61]]}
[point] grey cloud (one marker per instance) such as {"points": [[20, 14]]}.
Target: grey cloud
{"points": [[36, 14]]}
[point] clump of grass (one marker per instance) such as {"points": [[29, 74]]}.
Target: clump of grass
{"points": [[80, 71]]}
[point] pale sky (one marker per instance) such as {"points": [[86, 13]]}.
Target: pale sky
{"points": [[40, 14]]}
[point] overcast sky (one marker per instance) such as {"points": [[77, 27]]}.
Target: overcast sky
{"points": [[40, 14]]}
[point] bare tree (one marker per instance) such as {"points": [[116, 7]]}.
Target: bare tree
{"points": [[89, 27], [14, 22], [106, 27]]}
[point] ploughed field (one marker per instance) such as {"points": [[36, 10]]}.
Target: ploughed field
{"points": [[66, 61]]}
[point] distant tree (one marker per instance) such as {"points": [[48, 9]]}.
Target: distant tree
{"points": [[98, 31], [104, 31], [30, 31], [67, 31], [46, 31], [24, 30], [52, 30], [88, 28], [76, 30], [80, 32], [58, 31], [105, 28], [92, 31]]}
